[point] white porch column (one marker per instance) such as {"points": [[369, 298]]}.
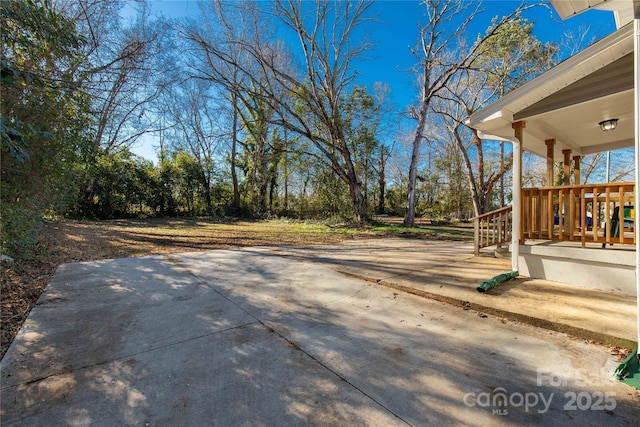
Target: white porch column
{"points": [[516, 213], [636, 90], [517, 186]]}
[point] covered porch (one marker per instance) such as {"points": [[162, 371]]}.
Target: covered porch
{"points": [[602, 214], [590, 103], [563, 233], [583, 106], [598, 213]]}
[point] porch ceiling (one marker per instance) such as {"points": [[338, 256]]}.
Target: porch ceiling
{"points": [[577, 127], [568, 102]]}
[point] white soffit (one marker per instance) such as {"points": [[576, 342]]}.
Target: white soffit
{"points": [[622, 9], [568, 8], [593, 58]]}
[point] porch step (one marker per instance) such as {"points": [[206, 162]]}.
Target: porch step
{"points": [[502, 251]]}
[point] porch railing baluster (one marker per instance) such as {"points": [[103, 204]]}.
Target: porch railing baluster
{"points": [[574, 213]]}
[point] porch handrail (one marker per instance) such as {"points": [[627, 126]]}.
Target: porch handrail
{"points": [[492, 228], [582, 213]]}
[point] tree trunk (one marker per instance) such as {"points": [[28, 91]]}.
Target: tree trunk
{"points": [[359, 205], [410, 214], [206, 184], [286, 171], [234, 143], [382, 184]]}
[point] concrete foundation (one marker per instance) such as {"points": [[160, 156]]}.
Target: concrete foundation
{"points": [[591, 268]]}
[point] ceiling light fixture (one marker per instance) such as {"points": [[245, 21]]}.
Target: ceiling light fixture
{"points": [[607, 125]]}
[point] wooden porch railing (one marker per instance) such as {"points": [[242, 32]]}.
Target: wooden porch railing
{"points": [[583, 213], [492, 228]]}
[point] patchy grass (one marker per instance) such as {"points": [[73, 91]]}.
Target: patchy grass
{"points": [[64, 241], [84, 240], [439, 232]]}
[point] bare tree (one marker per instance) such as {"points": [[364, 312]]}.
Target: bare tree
{"points": [[437, 66], [237, 79], [384, 154], [306, 99], [195, 113], [576, 40], [465, 94], [262, 149], [123, 76], [223, 25], [509, 59], [534, 170], [387, 126]]}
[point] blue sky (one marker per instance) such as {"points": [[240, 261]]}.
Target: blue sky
{"points": [[397, 30]]}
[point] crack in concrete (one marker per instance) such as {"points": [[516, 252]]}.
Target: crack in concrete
{"points": [[289, 341]]}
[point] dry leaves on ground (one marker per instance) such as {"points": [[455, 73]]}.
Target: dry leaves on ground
{"points": [[22, 282]]}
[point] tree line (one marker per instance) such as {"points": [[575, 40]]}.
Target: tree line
{"points": [[256, 109]]}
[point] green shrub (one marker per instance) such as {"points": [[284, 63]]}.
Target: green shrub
{"points": [[20, 230]]}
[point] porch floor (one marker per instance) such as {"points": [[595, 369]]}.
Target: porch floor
{"points": [[576, 244]]}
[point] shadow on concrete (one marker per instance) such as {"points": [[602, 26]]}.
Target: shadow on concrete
{"points": [[246, 338]]}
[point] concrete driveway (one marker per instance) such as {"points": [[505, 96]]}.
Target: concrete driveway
{"points": [[244, 337]]}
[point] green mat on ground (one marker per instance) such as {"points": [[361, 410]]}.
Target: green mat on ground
{"points": [[495, 281], [629, 370]]}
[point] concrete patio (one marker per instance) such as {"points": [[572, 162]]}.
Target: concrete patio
{"points": [[249, 337]]}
